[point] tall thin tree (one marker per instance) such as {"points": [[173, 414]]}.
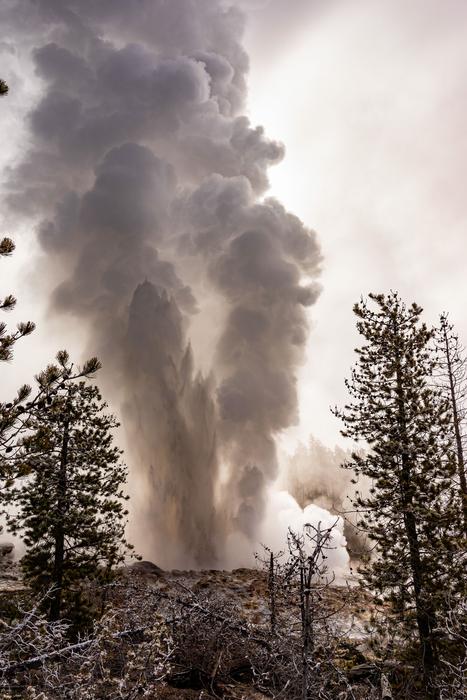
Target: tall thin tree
{"points": [[451, 377], [409, 513]]}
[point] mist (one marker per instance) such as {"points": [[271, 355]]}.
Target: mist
{"points": [[145, 182]]}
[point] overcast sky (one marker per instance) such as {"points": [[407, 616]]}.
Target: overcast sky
{"points": [[370, 99]]}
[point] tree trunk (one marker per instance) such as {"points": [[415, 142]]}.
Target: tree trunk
{"points": [[59, 543], [304, 616], [272, 593], [425, 617], [306, 575]]}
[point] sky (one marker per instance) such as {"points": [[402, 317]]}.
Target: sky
{"points": [[370, 100]]}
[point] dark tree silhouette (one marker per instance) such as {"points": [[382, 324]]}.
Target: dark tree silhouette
{"points": [[451, 377], [7, 340], [69, 506], [410, 511]]}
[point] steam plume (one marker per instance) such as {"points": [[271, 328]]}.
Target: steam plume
{"points": [[170, 416], [314, 476], [146, 179]]}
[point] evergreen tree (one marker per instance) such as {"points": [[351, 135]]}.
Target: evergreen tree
{"points": [[16, 416], [70, 507], [8, 414], [409, 512], [451, 377], [7, 340]]}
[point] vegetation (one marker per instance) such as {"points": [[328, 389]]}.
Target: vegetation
{"points": [[163, 638], [170, 636], [87, 629], [411, 512], [451, 378], [7, 340], [67, 500]]}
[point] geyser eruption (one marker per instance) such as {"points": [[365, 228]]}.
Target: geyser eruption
{"points": [[282, 512], [147, 182], [170, 416], [314, 477]]}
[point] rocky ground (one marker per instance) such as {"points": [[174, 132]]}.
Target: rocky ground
{"points": [[247, 591]]}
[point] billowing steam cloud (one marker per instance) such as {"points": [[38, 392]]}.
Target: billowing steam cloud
{"points": [[314, 477], [282, 513], [147, 180]]}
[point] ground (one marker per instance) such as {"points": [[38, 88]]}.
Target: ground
{"points": [[246, 592]]}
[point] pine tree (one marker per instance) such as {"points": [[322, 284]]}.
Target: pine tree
{"points": [[451, 377], [8, 410], [409, 512], [69, 506], [7, 340], [16, 415]]}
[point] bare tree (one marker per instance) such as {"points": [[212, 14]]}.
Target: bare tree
{"points": [[306, 642], [451, 377], [271, 561], [307, 561], [127, 655], [27, 636], [452, 678]]}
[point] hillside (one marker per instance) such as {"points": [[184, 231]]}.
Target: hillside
{"points": [[218, 624]]}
